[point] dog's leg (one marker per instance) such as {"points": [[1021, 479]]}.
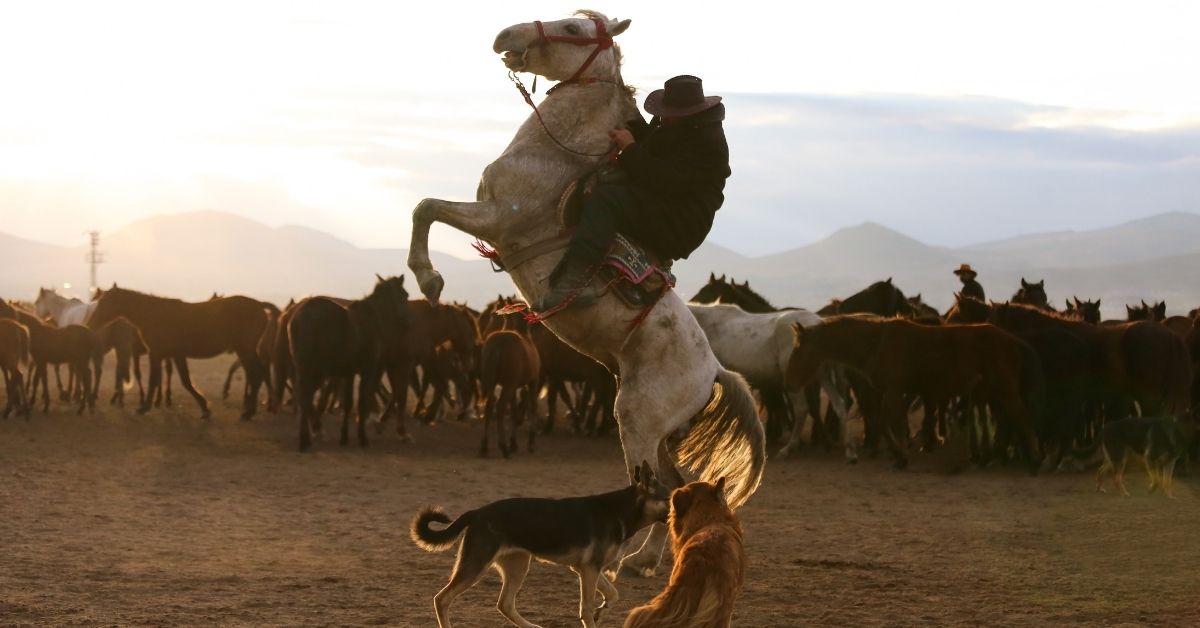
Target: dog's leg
{"points": [[475, 555], [589, 575], [609, 591], [513, 568], [1119, 475]]}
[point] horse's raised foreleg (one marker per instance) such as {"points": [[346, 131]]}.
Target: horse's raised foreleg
{"points": [[482, 219]]}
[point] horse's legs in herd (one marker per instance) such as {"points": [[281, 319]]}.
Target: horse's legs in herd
{"points": [[893, 424], [799, 409], [83, 379], [368, 384], [305, 388], [233, 368], [63, 394], [505, 406], [186, 379], [165, 391], [398, 378], [256, 374], [346, 385], [154, 387], [489, 415]]}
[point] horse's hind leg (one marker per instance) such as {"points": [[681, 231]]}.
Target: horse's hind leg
{"points": [[489, 415], [505, 407], [894, 426], [233, 369], [185, 378], [347, 396], [255, 374]]}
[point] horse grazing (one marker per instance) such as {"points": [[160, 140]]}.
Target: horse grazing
{"points": [[508, 360], [14, 353], [73, 345], [1033, 294], [177, 330], [900, 357], [329, 339], [669, 375]]}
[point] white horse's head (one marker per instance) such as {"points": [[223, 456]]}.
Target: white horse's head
{"points": [[44, 304], [557, 50]]}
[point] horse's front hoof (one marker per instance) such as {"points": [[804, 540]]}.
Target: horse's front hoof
{"points": [[205, 414], [406, 439], [900, 464], [432, 286]]}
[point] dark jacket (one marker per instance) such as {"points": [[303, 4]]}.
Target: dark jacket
{"points": [[678, 173], [971, 288]]}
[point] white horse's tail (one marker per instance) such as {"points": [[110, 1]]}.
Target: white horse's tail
{"points": [[727, 440]]}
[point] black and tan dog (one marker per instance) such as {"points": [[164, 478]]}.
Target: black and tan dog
{"points": [[1157, 441], [583, 533]]}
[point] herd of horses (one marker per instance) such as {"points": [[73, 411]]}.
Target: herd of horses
{"points": [[1018, 377]]}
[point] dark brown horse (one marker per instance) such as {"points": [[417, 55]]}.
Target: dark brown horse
{"points": [[1146, 312], [453, 361], [1033, 294], [73, 345], [902, 358], [562, 364], [967, 310], [329, 339], [1087, 311], [720, 290], [14, 353], [1142, 361], [510, 361], [177, 330]]}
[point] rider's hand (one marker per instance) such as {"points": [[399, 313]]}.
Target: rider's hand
{"points": [[621, 137]]}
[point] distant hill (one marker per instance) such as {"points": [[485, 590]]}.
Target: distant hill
{"points": [[192, 255]]}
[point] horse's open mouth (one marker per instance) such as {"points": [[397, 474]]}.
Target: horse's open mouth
{"points": [[514, 60]]}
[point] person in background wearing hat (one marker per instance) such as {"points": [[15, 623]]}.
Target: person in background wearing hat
{"points": [[676, 168], [971, 288]]}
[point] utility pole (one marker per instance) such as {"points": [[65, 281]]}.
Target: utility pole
{"points": [[94, 258]]}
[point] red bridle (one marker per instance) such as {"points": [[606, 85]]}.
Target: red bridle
{"points": [[603, 42]]}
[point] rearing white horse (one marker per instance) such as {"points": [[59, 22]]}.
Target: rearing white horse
{"points": [[669, 378]]}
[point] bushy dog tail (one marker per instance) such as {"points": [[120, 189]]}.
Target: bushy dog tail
{"points": [[432, 540], [679, 608]]}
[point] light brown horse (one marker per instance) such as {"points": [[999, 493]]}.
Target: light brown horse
{"points": [[901, 357], [122, 338], [14, 353], [177, 330], [73, 345], [511, 362]]}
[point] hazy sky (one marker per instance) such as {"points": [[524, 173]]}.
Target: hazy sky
{"points": [[953, 121]]}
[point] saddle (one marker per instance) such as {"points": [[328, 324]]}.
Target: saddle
{"points": [[631, 271]]}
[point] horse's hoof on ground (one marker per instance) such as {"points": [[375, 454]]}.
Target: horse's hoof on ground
{"points": [[406, 439], [900, 464], [852, 460], [205, 415], [245, 416]]}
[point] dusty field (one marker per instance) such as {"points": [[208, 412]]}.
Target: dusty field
{"points": [[170, 520]]}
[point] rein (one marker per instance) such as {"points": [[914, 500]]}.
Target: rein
{"points": [[602, 40]]}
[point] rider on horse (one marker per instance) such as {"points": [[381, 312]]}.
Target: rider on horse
{"points": [[675, 169]]}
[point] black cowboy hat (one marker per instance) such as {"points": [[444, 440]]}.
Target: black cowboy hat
{"points": [[965, 269], [680, 96]]}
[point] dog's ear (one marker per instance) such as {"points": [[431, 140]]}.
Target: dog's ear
{"points": [[643, 475], [681, 501]]}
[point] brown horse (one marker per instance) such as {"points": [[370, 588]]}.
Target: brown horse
{"points": [[14, 353], [967, 310], [562, 364], [73, 345], [900, 357], [721, 290], [1142, 361], [510, 361], [1033, 293], [328, 339], [453, 361], [122, 337], [177, 330]]}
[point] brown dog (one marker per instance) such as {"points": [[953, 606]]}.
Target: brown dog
{"points": [[706, 539]]}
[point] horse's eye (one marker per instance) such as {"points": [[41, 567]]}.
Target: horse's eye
{"points": [[572, 29]]}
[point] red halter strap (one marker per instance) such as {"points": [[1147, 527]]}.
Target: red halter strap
{"points": [[603, 42]]}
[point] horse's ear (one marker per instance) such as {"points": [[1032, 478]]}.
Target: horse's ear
{"points": [[379, 278], [889, 281], [402, 283], [619, 28], [712, 276], [957, 297]]}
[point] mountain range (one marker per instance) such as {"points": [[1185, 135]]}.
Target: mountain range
{"points": [[194, 254]]}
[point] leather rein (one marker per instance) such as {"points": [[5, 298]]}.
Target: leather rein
{"points": [[602, 40]]}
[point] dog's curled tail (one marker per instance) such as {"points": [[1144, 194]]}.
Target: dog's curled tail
{"points": [[432, 540], [727, 439]]}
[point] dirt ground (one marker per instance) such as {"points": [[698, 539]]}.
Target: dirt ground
{"points": [[166, 519]]}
